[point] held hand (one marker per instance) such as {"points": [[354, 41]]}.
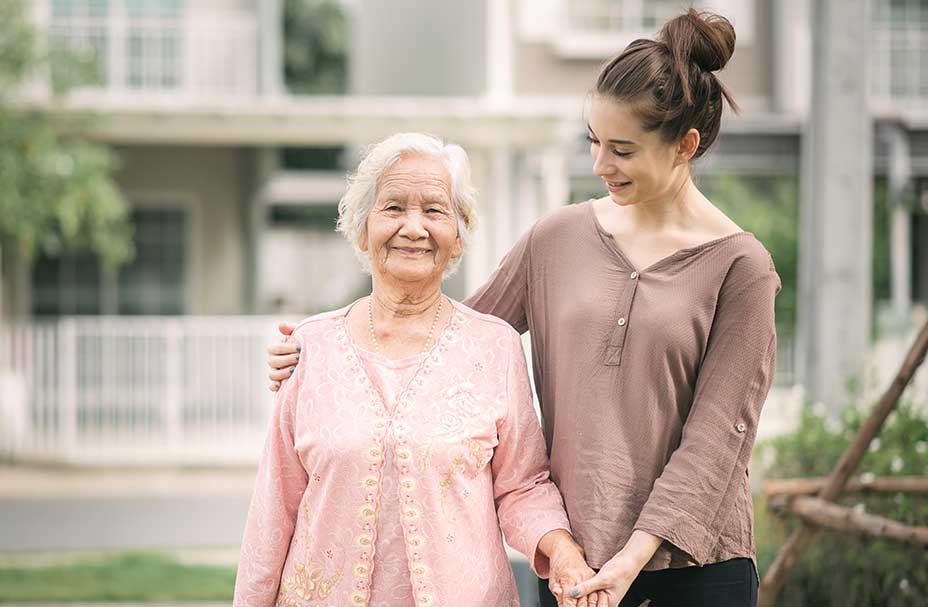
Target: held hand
{"points": [[611, 583], [616, 576], [282, 357], [568, 568]]}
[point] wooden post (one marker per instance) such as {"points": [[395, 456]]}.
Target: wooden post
{"points": [[828, 514], [849, 461], [811, 486]]}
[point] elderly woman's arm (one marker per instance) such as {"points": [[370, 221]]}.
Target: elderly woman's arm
{"points": [[529, 506], [279, 487]]}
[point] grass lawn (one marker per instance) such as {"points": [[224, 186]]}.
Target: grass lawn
{"points": [[147, 576], [119, 577]]}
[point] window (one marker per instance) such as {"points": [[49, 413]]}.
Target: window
{"points": [[900, 50], [135, 43], [154, 283], [67, 284], [621, 16], [597, 29]]}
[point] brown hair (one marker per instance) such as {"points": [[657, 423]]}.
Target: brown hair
{"points": [[670, 80]]}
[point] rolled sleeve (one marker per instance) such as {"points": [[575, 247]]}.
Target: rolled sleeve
{"points": [[684, 506], [527, 501]]}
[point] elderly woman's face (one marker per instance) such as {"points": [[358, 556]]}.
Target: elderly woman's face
{"points": [[412, 231]]}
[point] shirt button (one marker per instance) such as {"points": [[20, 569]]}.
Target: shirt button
{"points": [[621, 322], [741, 427], [633, 275]]}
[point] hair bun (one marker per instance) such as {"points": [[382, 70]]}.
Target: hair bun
{"points": [[703, 38]]}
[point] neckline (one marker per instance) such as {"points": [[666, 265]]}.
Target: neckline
{"points": [[380, 357], [610, 241]]}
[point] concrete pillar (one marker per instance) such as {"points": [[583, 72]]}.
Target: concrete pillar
{"points": [[499, 53], [257, 222], [836, 215], [270, 48], [791, 50], [899, 190]]}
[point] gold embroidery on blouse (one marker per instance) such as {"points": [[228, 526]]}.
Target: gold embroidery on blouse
{"points": [[424, 459], [461, 464], [306, 584], [309, 582]]}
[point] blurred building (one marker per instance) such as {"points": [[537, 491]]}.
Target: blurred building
{"points": [[233, 182]]}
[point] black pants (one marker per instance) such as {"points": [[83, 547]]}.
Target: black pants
{"points": [[727, 584]]}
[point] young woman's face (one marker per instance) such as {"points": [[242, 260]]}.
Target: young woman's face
{"points": [[636, 166]]}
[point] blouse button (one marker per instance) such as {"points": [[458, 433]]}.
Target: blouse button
{"points": [[621, 322], [740, 427], [633, 275]]}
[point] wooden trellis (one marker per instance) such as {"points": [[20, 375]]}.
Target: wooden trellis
{"points": [[812, 500]]}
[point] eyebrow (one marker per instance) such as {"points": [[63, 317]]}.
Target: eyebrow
{"points": [[617, 141], [428, 198]]}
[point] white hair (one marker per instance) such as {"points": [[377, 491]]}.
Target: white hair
{"points": [[358, 201]]}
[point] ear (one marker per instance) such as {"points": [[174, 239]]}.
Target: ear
{"points": [[458, 248], [687, 147], [362, 242]]}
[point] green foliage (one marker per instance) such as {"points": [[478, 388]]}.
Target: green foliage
{"points": [[315, 47], [126, 577], [56, 187], [768, 207], [841, 569]]}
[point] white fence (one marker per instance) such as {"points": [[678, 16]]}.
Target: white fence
{"points": [[145, 390], [114, 390]]}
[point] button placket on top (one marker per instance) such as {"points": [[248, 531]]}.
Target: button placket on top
{"points": [[620, 326]]}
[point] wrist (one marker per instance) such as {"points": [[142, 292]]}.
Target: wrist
{"points": [[557, 541], [639, 549]]}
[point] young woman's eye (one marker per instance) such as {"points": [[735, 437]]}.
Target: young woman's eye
{"points": [[591, 140], [621, 154]]}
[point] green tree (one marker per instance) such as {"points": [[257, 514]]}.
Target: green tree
{"points": [[315, 47], [768, 207], [56, 186]]}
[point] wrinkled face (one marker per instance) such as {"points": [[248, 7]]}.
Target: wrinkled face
{"points": [[412, 230], [635, 165]]}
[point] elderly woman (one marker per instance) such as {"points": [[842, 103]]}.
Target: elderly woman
{"points": [[393, 459]]}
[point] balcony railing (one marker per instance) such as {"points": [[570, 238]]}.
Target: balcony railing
{"points": [[163, 58]]}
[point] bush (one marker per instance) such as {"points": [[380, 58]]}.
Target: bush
{"points": [[841, 569]]}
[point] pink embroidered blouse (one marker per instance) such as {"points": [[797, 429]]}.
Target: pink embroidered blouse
{"points": [[455, 441]]}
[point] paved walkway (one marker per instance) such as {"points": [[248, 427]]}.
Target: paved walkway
{"points": [[41, 481]]}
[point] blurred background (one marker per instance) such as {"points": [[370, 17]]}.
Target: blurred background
{"points": [[169, 175]]}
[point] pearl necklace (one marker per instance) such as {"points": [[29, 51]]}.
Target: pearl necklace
{"points": [[428, 338]]}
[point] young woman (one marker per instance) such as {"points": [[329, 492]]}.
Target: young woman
{"points": [[653, 340]]}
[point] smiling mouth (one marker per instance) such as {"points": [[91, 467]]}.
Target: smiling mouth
{"points": [[615, 185], [412, 251]]}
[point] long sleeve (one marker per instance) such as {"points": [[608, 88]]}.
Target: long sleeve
{"points": [[279, 488], [505, 294], [527, 501], [718, 434]]}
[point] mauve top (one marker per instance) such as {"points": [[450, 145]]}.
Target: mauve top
{"points": [[650, 381]]}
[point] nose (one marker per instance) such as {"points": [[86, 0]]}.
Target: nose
{"points": [[413, 227], [602, 165]]}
